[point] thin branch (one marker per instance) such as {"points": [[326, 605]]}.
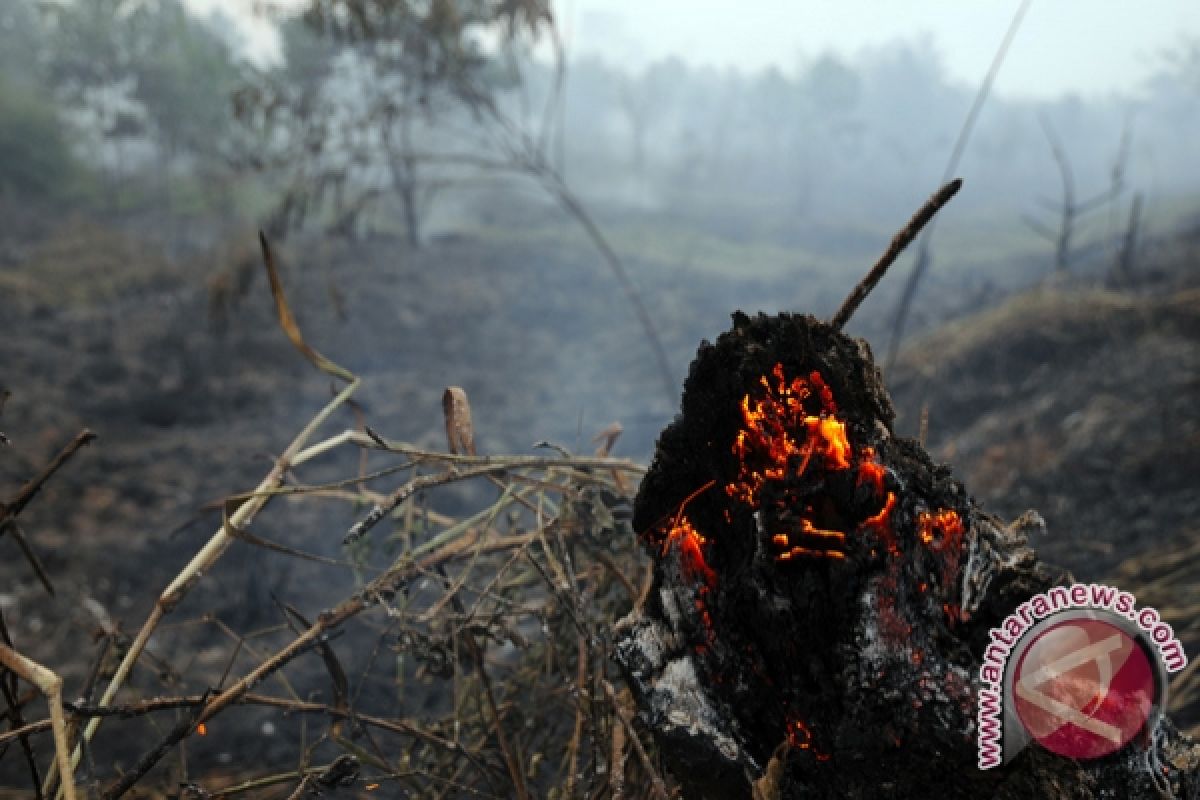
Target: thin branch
{"points": [[30, 489], [222, 538], [904, 305], [901, 240], [31, 556], [8, 687], [555, 185], [656, 782], [50, 685], [485, 465], [1038, 227]]}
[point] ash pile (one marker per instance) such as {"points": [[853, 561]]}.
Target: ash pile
{"points": [[823, 593]]}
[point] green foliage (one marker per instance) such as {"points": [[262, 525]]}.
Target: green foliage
{"points": [[35, 157], [142, 69], [357, 114], [185, 76]]}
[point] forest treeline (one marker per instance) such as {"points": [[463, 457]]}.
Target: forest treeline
{"points": [[405, 121]]}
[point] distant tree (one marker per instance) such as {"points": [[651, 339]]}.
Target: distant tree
{"points": [[1182, 64], [141, 71], [35, 156], [772, 98], [144, 72], [646, 100], [832, 87], [90, 58], [1070, 207], [383, 98], [184, 76], [414, 102]]}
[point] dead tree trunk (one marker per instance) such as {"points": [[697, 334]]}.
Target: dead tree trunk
{"points": [[824, 592], [1127, 261], [404, 182], [1069, 209]]}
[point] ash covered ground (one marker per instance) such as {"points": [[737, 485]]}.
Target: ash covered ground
{"points": [[1074, 400]]}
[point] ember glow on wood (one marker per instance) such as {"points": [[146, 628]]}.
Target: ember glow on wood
{"points": [[823, 590]]}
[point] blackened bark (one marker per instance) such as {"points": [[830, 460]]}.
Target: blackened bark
{"points": [[824, 591]]}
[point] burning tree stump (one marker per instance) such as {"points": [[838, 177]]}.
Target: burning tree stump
{"points": [[823, 592]]}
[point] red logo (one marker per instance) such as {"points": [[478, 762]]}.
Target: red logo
{"points": [[1084, 688]]}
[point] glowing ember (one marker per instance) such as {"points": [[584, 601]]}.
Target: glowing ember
{"points": [[691, 545], [871, 471], [768, 448], [202, 729], [691, 542], [881, 523], [942, 532], [799, 736], [790, 431], [789, 551]]}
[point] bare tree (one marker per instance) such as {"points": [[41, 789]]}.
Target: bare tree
{"points": [[1069, 209], [1127, 257]]}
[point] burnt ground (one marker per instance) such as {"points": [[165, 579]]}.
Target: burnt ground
{"points": [[1076, 401]]}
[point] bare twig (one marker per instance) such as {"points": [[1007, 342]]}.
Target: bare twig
{"points": [[30, 554], [8, 687], [581, 683], [484, 465], [460, 431], [222, 538], [656, 782], [904, 305], [900, 241], [50, 685], [27, 492]]}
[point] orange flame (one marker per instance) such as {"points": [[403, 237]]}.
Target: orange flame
{"points": [[770, 429], [691, 550], [694, 565], [202, 729], [787, 429], [940, 532], [881, 523], [870, 470], [693, 559]]}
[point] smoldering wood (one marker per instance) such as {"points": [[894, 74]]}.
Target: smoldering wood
{"points": [[850, 669]]}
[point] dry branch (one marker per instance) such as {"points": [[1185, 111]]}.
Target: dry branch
{"points": [[222, 538], [901, 240], [10, 510], [520, 627], [50, 685], [924, 255]]}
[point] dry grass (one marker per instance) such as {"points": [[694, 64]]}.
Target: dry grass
{"points": [[494, 622]]}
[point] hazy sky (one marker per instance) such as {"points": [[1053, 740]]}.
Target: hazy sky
{"points": [[1085, 46]]}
